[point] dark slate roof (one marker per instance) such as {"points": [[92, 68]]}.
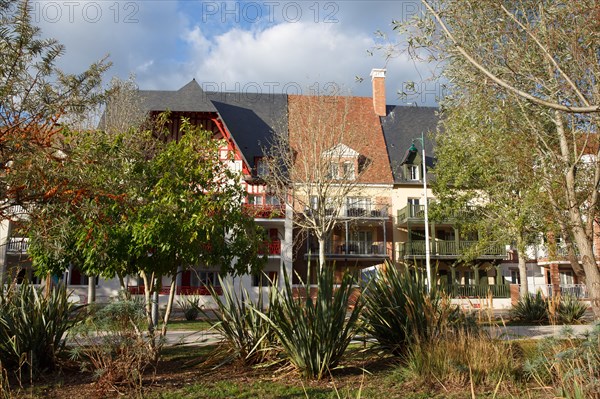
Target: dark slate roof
{"points": [[251, 118], [190, 98], [401, 126]]}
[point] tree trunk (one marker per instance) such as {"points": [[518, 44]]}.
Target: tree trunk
{"points": [[321, 254], [91, 289], [582, 238], [592, 274], [155, 300], [522, 259], [148, 286], [163, 332]]}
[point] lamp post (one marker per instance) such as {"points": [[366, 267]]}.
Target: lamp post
{"points": [[426, 208]]}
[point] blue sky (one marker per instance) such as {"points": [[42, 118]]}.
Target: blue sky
{"points": [[267, 46]]}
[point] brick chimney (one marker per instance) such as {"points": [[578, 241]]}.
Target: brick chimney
{"points": [[378, 79]]}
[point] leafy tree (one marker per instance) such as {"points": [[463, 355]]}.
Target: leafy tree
{"points": [[544, 57], [152, 207], [485, 174]]}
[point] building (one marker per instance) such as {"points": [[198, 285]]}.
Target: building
{"points": [[380, 220]]}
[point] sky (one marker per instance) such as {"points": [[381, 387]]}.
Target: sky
{"points": [[293, 47]]}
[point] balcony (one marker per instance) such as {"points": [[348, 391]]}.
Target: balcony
{"points": [[17, 245], [181, 290], [417, 213], [364, 211], [271, 248], [265, 211], [359, 249], [449, 249], [476, 291]]}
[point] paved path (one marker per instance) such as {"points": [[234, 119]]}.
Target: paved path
{"points": [[538, 332], [205, 337]]}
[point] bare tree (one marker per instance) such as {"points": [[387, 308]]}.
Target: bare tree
{"points": [[318, 160]]}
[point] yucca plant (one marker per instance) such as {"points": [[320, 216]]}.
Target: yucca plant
{"points": [[571, 310], [399, 310], [247, 336], [33, 325], [190, 305], [531, 309], [315, 333]]}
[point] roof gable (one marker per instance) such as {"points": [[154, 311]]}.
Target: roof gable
{"points": [[190, 98], [341, 151]]}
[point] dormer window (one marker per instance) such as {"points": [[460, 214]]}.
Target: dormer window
{"points": [[262, 167], [342, 162], [413, 172]]}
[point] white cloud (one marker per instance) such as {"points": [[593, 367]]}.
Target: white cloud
{"points": [[167, 43]]}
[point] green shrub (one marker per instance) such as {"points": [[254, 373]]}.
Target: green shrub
{"points": [[531, 309], [120, 314], [398, 310], [32, 326], [315, 333], [247, 336]]}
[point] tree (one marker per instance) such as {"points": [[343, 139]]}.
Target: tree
{"points": [[542, 56], [35, 99], [484, 173], [151, 207], [314, 164]]}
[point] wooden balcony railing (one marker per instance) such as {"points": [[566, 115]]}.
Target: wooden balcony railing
{"points": [[265, 211], [182, 290], [271, 248], [449, 248]]}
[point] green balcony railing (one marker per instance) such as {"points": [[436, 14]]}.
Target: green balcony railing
{"points": [[449, 248]]}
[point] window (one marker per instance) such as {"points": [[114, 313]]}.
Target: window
{"points": [[566, 277], [515, 276], [262, 167], [202, 278], [271, 200], [358, 206], [264, 279], [348, 169], [255, 199], [413, 172], [334, 170], [413, 207], [469, 278]]}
